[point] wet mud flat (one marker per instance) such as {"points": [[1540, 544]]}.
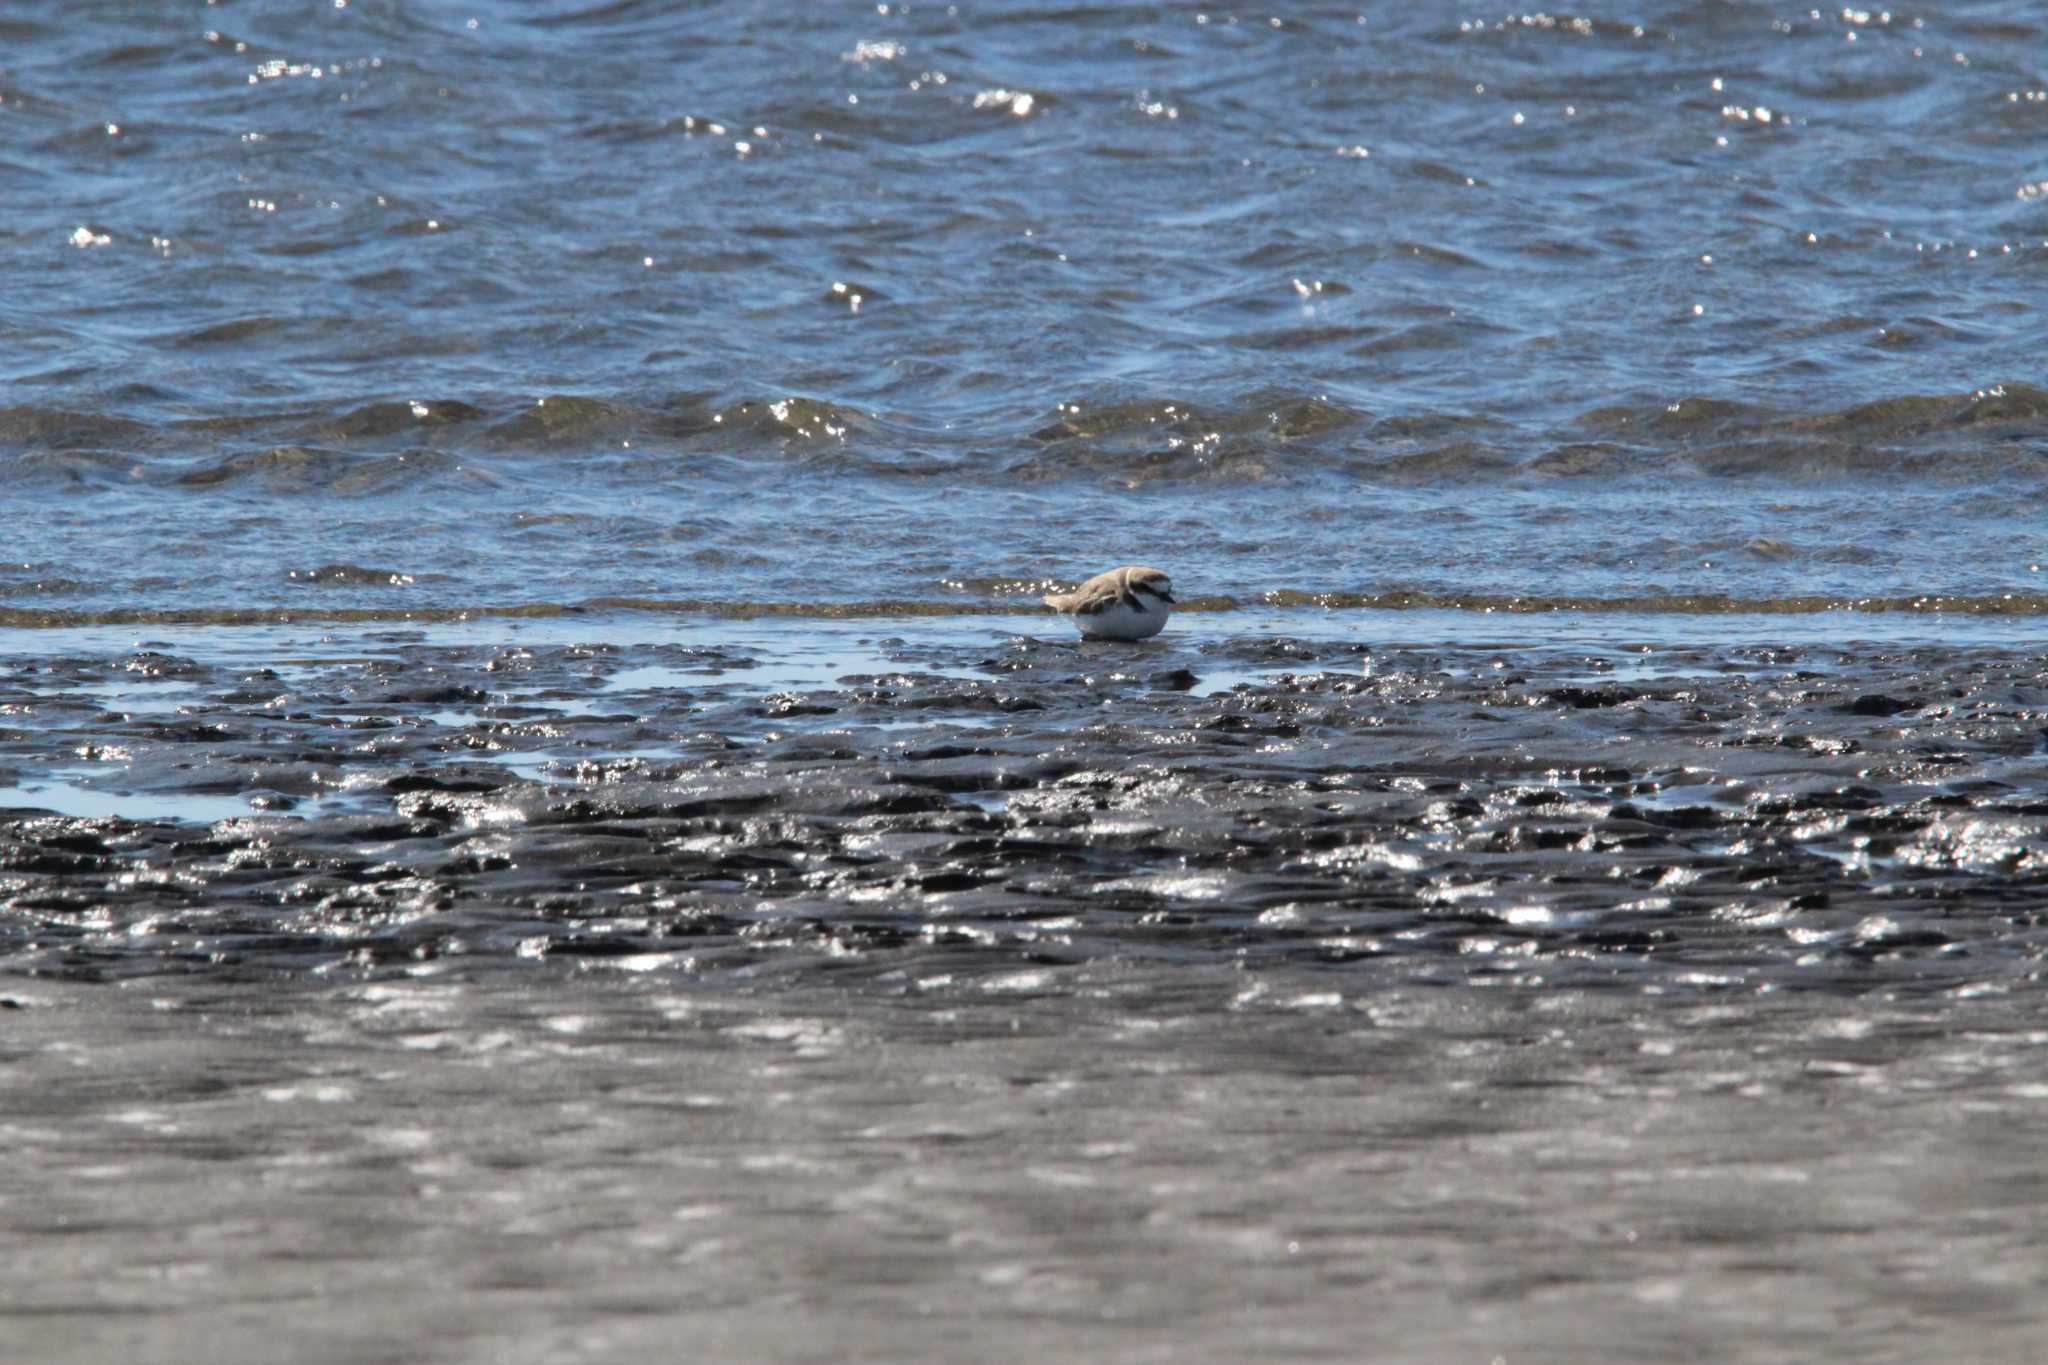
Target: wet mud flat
{"points": [[1721, 817], [1246, 994]]}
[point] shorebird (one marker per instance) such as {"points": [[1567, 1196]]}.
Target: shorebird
{"points": [[1131, 603]]}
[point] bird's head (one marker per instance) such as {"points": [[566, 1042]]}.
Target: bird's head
{"points": [[1153, 583]]}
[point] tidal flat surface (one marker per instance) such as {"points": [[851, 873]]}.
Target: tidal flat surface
{"points": [[806, 990], [800, 796], [1112, 1161]]}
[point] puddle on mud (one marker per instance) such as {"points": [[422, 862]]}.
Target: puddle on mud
{"points": [[71, 798]]}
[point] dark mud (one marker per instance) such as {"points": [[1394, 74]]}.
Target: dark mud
{"points": [[1684, 818]]}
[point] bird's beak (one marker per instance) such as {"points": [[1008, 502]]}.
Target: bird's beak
{"points": [[1164, 595]]}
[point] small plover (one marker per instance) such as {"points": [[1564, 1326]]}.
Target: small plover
{"points": [[1131, 603]]}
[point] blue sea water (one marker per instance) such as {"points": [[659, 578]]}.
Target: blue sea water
{"points": [[428, 307]]}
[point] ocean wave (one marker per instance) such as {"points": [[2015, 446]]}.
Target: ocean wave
{"points": [[305, 469], [1989, 435]]}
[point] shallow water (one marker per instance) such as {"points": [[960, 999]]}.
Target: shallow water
{"points": [[1118, 1161], [536, 793], [379, 308]]}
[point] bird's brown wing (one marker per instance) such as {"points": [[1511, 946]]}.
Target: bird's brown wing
{"points": [[1092, 598]]}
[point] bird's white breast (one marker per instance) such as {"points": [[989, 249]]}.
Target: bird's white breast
{"points": [[1121, 621]]}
